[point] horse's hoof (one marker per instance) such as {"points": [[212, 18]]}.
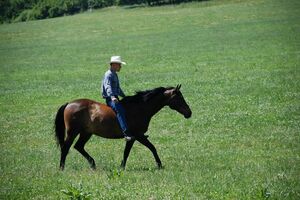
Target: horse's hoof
{"points": [[93, 167], [122, 166], [159, 166]]}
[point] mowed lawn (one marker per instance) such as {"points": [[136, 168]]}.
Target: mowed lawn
{"points": [[238, 63]]}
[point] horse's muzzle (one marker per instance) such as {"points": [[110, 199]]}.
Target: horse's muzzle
{"points": [[188, 115]]}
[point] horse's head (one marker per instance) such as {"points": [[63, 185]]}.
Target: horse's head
{"points": [[176, 101]]}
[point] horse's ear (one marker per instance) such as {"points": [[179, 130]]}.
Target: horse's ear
{"points": [[178, 87]]}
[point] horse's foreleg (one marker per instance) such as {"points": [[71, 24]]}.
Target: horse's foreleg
{"points": [[79, 146], [127, 149], [65, 148], [147, 143]]}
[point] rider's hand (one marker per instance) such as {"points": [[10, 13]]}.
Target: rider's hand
{"points": [[114, 99]]}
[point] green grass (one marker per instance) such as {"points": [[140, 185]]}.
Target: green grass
{"points": [[237, 61]]}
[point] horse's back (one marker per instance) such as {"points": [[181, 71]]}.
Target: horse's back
{"points": [[92, 117]]}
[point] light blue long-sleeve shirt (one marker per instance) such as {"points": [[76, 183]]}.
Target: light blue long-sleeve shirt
{"points": [[111, 86]]}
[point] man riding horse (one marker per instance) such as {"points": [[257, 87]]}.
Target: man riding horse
{"points": [[111, 91], [85, 117]]}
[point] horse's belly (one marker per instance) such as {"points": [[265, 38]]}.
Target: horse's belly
{"points": [[106, 128]]}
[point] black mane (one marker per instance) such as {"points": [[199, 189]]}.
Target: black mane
{"points": [[144, 96]]}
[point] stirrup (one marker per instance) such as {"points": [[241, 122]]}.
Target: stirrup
{"points": [[129, 138]]}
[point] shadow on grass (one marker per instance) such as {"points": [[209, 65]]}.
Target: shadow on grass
{"points": [[143, 169], [109, 169]]}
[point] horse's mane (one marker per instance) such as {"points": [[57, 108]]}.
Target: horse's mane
{"points": [[144, 96]]}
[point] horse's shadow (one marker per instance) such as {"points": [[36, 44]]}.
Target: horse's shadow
{"points": [[109, 169], [143, 169]]}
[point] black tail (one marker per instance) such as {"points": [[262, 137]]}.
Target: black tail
{"points": [[60, 125]]}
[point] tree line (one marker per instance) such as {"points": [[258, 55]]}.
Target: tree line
{"points": [[24, 10]]}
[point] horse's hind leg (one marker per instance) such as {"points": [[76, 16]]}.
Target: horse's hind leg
{"points": [[71, 135], [79, 146]]}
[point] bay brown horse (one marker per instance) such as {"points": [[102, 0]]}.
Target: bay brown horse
{"points": [[85, 117]]}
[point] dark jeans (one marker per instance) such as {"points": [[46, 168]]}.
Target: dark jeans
{"points": [[118, 108]]}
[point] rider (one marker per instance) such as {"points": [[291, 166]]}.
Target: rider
{"points": [[111, 91]]}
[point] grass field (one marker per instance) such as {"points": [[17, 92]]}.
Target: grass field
{"points": [[237, 61]]}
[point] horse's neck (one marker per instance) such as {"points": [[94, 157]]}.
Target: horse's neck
{"points": [[142, 113], [154, 106]]}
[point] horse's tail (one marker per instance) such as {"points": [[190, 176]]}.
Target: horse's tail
{"points": [[60, 126]]}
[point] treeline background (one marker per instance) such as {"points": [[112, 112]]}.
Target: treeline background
{"points": [[24, 10]]}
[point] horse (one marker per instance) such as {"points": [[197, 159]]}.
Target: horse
{"points": [[85, 117]]}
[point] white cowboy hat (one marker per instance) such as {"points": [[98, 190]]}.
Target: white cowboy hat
{"points": [[116, 59]]}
